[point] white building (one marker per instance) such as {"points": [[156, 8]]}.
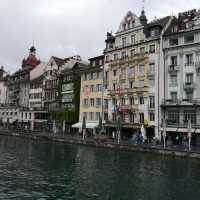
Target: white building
{"points": [[181, 100], [3, 85], [36, 87]]}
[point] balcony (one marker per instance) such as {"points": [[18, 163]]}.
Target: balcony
{"points": [[189, 86], [122, 76], [168, 102], [128, 108], [189, 64], [151, 74], [173, 69]]}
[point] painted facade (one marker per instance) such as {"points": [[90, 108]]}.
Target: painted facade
{"points": [[132, 62]]}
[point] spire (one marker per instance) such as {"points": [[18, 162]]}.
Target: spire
{"points": [[143, 18]]}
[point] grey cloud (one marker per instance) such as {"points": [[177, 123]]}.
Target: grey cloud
{"points": [[66, 27]]}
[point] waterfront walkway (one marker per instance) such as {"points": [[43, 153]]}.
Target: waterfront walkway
{"points": [[128, 145]]}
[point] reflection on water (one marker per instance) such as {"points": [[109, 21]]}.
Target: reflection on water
{"points": [[33, 170]]}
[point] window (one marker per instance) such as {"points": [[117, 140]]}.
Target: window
{"points": [[123, 101], [154, 32], [114, 72], [173, 117], [131, 84], [151, 82], [152, 48], [141, 118], [189, 38], [141, 99], [189, 96], [189, 78], [141, 83], [132, 117], [98, 102], [141, 69], [97, 115], [124, 41], [114, 86], [114, 101], [92, 102], [189, 59], [190, 115], [173, 41], [124, 27], [142, 50], [174, 97], [133, 39], [151, 116], [132, 52], [123, 54], [123, 71], [85, 102], [98, 87], [91, 114], [131, 100], [115, 56], [151, 101], [107, 58], [131, 71], [92, 88], [152, 67], [174, 60], [173, 81]]}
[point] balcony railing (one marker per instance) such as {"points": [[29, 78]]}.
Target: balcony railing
{"points": [[151, 73], [189, 86], [173, 68], [189, 64]]}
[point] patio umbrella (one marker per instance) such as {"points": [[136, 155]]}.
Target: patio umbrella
{"points": [[143, 133], [189, 134]]}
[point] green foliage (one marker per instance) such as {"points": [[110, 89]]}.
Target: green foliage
{"points": [[67, 114]]}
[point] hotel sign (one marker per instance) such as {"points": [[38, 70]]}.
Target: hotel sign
{"points": [[186, 13]]}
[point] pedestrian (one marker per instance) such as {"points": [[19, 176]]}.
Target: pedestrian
{"points": [[113, 135]]}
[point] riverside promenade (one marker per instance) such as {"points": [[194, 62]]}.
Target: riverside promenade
{"points": [[124, 145]]}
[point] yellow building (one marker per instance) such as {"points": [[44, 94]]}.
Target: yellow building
{"points": [[91, 94]]}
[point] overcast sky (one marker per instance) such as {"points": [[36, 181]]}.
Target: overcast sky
{"points": [[67, 27]]}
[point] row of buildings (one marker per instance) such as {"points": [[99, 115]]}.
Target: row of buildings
{"points": [[148, 73]]}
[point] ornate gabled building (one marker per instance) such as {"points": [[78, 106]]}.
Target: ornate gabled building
{"points": [[53, 98], [132, 64], [181, 101], [4, 76], [19, 82]]}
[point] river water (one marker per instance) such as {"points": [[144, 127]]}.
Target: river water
{"points": [[35, 170]]}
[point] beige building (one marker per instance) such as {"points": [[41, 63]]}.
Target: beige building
{"points": [[91, 94], [132, 64]]}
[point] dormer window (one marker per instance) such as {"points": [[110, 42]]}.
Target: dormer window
{"points": [[189, 38], [133, 39], [175, 29], [124, 27], [173, 41], [123, 41], [154, 32]]}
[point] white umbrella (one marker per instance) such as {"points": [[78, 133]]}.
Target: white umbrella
{"points": [[189, 133], [143, 133]]}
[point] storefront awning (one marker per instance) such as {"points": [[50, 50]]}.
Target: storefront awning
{"points": [[89, 125], [169, 129], [185, 130]]}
